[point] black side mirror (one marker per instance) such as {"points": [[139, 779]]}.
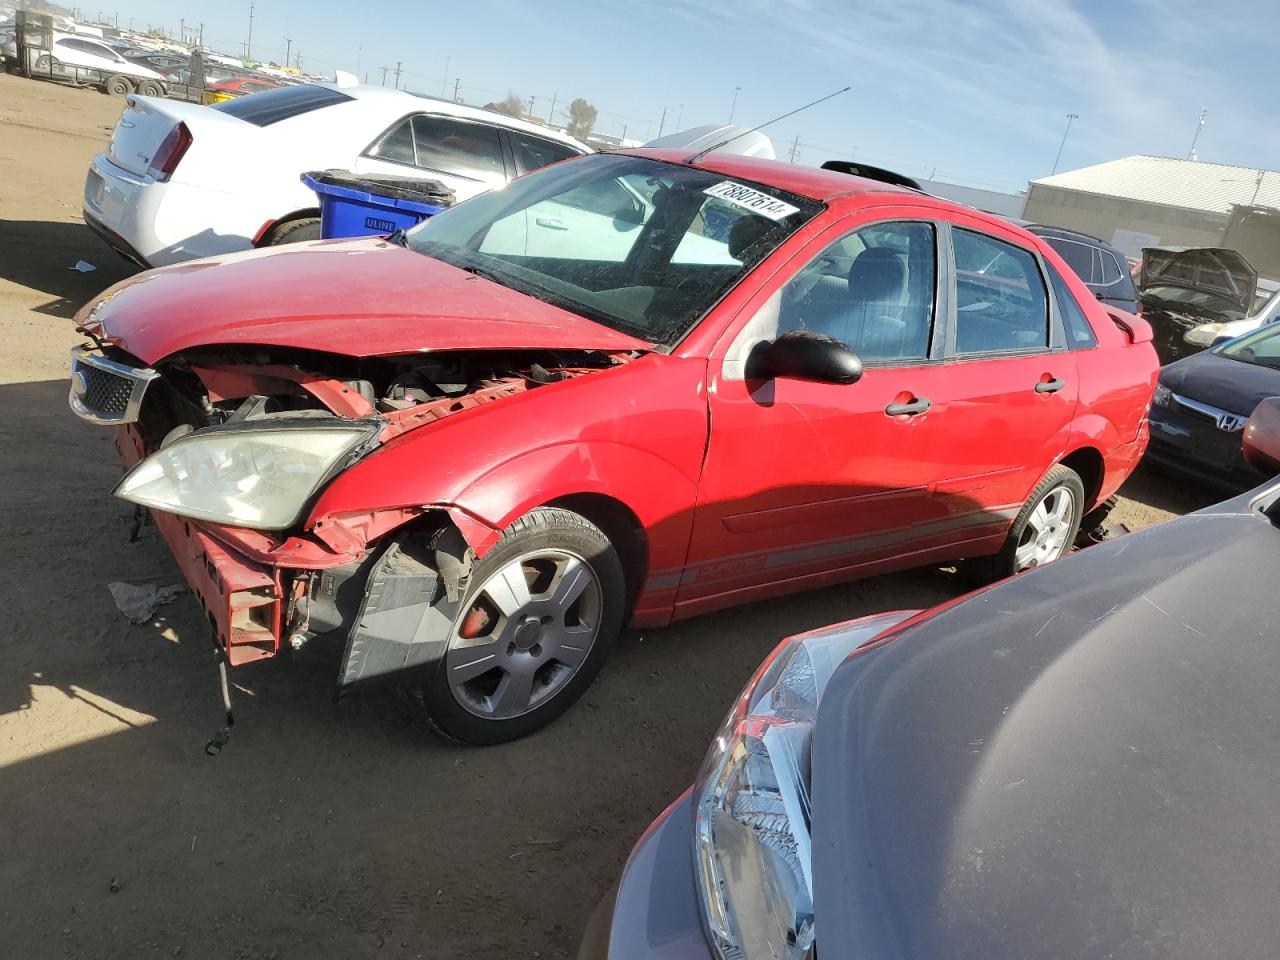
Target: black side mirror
{"points": [[804, 355], [1261, 442]]}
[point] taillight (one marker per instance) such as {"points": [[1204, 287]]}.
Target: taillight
{"points": [[171, 150]]}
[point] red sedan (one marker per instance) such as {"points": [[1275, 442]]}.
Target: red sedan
{"points": [[628, 388]]}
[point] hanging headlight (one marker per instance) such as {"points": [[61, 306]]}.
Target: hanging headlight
{"points": [[259, 477], [752, 799]]}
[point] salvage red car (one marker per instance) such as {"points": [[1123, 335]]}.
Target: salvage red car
{"points": [[628, 388]]}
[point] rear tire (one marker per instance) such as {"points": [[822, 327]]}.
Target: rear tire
{"points": [[1043, 531], [540, 615], [149, 88], [295, 231], [118, 85]]}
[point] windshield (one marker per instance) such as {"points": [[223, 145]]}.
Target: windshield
{"points": [[1262, 347], [638, 245]]}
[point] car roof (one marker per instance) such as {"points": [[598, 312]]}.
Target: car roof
{"points": [[404, 100], [813, 182]]}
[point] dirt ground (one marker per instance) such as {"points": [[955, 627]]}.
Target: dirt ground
{"points": [[322, 830]]}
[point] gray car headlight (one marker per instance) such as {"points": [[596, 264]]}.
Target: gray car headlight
{"points": [[1204, 334], [258, 477], [752, 843]]}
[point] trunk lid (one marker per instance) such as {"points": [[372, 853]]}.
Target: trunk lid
{"points": [[145, 123], [1224, 277]]}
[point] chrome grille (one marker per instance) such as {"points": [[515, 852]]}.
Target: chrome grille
{"points": [[104, 390]]}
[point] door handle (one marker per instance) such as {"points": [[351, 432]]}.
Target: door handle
{"points": [[911, 408], [1050, 386], [550, 223]]}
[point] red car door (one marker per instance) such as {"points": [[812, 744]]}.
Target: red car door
{"points": [[805, 481], [1011, 383]]}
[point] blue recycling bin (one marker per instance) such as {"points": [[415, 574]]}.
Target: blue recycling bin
{"points": [[360, 205]]}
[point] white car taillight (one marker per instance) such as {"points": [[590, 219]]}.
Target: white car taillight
{"points": [[171, 150]]}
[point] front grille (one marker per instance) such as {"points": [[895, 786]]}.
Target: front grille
{"points": [[105, 390], [106, 394]]}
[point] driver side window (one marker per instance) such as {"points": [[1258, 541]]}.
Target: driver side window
{"points": [[873, 290]]}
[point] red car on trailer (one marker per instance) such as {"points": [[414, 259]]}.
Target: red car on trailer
{"points": [[627, 388]]}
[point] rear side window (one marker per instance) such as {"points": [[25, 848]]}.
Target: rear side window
{"points": [[283, 103], [1079, 257], [1000, 296], [1111, 272], [1079, 333], [534, 152], [470, 150]]}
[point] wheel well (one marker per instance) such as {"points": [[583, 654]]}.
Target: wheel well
{"points": [[1089, 464], [624, 530], [267, 233]]}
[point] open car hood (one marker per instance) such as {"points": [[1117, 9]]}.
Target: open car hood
{"points": [[363, 297], [1213, 270]]}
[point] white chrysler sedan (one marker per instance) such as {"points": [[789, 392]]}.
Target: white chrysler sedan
{"points": [[181, 181]]}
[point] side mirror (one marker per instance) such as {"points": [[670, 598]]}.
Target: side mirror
{"points": [[804, 355], [1261, 442]]}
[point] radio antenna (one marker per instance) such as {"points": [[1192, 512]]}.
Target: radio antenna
{"points": [[737, 136]]}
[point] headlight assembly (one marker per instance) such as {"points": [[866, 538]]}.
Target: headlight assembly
{"points": [[752, 800], [1205, 334], [252, 476], [1162, 396]]}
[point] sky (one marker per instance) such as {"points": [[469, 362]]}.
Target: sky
{"points": [[976, 93]]}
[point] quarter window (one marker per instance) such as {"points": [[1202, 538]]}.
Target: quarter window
{"points": [[470, 150], [1110, 267], [873, 290], [1079, 332], [1000, 296], [396, 146]]}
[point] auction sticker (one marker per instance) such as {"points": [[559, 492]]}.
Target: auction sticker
{"points": [[753, 200]]}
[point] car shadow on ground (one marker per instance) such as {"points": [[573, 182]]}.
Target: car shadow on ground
{"points": [[1165, 490], [41, 255], [322, 830]]}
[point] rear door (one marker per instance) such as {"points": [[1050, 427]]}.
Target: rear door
{"points": [[1012, 385], [465, 155]]}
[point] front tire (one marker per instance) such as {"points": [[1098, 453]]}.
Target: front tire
{"points": [[1043, 531], [541, 613]]}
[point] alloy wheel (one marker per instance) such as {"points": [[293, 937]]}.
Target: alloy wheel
{"points": [[523, 634], [1044, 538]]}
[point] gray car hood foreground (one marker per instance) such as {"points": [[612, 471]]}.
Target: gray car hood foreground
{"points": [[1081, 762]]}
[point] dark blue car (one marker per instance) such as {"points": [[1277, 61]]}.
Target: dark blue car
{"points": [[1202, 403]]}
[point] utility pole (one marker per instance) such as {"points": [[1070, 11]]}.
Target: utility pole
{"points": [[530, 112], [623, 138], [1070, 117], [182, 30], [359, 57], [384, 76], [733, 109], [297, 60], [551, 114], [680, 118], [397, 83], [200, 41], [288, 45], [663, 122], [444, 84], [456, 81], [248, 44], [794, 147], [1191, 154]]}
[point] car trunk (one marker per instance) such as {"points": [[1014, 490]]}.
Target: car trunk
{"points": [[146, 122]]}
